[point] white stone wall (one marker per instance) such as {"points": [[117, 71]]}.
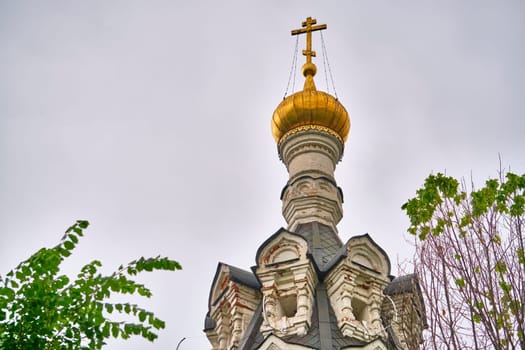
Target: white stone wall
{"points": [[288, 280], [355, 288], [232, 308]]}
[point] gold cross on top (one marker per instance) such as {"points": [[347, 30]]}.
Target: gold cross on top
{"points": [[308, 28]]}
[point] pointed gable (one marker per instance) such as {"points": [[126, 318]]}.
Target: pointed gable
{"points": [[281, 247], [364, 251], [224, 275]]}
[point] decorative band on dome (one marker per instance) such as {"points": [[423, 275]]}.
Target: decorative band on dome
{"points": [[310, 127]]}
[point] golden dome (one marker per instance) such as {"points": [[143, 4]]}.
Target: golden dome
{"points": [[310, 109]]}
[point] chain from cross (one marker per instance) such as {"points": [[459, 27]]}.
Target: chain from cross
{"points": [[308, 29]]}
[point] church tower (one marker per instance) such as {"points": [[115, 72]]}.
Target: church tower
{"points": [[308, 290]]}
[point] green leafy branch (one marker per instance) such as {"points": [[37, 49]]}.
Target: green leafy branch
{"points": [[41, 309], [472, 248]]}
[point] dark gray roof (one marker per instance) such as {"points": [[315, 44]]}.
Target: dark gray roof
{"points": [[323, 243], [209, 323], [244, 277], [401, 285], [252, 335]]}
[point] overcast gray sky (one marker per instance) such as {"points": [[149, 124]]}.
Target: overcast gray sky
{"points": [[151, 119]]}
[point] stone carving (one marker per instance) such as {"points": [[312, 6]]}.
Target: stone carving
{"points": [[308, 198], [273, 313]]}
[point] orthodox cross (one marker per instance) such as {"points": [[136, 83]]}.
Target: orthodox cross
{"points": [[308, 28]]}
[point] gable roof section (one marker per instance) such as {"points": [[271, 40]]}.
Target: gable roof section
{"points": [[323, 242], [234, 274], [408, 284], [401, 285]]}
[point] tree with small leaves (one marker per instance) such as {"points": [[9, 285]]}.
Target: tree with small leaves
{"points": [[43, 309], [470, 261]]}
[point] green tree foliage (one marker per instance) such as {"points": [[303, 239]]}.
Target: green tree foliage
{"points": [[43, 309], [470, 261]]}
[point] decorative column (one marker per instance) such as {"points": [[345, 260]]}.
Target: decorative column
{"points": [[311, 193], [375, 314]]}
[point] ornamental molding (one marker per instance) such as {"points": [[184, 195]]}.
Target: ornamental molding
{"points": [[232, 306], [324, 207], [318, 128], [310, 140], [284, 248], [275, 343]]}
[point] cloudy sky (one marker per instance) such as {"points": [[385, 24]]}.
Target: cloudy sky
{"points": [[151, 119]]}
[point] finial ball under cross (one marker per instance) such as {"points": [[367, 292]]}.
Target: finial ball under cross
{"points": [[308, 29]]}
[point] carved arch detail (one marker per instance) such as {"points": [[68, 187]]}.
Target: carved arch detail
{"points": [[283, 248]]}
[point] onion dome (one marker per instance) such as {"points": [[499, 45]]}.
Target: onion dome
{"points": [[310, 109]]}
